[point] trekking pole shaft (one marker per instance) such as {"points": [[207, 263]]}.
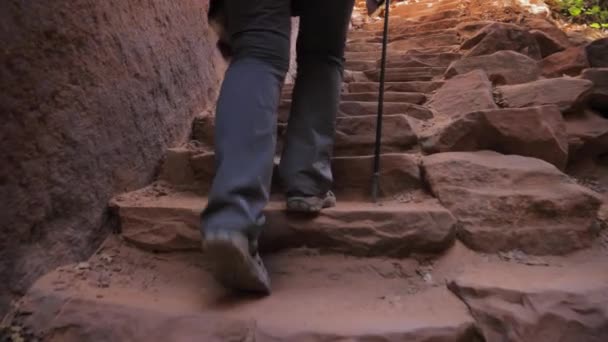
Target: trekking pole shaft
{"points": [[378, 145]]}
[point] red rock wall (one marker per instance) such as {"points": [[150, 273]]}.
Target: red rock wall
{"points": [[91, 93]]}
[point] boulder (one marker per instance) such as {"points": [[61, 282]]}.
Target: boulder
{"points": [[587, 135], [568, 62], [537, 132], [503, 67], [507, 202], [567, 93], [500, 36], [555, 33], [599, 95], [597, 53], [548, 45], [517, 303], [463, 94]]}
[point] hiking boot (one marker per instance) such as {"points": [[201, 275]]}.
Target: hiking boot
{"points": [[235, 263], [311, 204]]}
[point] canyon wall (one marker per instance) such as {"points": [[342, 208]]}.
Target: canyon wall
{"points": [[91, 94]]}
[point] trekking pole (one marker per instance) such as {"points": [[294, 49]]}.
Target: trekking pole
{"points": [[378, 143]]}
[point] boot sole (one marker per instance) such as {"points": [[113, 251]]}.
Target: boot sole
{"points": [[309, 205], [234, 267]]}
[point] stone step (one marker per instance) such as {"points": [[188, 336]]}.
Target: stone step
{"points": [[420, 17], [448, 38], [411, 29], [416, 87], [375, 55], [390, 96], [406, 42], [356, 135], [423, 28], [510, 202], [363, 47], [187, 168], [410, 59], [360, 65], [171, 222], [419, 32], [554, 298], [407, 74], [357, 108], [123, 294]]}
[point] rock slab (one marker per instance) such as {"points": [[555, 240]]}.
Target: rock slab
{"points": [[538, 132], [463, 94], [506, 202], [172, 223], [503, 67], [566, 93], [515, 303]]}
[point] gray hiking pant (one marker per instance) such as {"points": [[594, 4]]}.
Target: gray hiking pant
{"points": [[246, 117]]}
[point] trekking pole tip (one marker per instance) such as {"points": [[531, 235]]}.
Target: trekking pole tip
{"points": [[375, 187]]}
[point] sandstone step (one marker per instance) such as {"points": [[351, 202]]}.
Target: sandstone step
{"points": [[407, 19], [122, 294], [424, 28], [405, 60], [407, 74], [390, 96], [407, 41], [552, 301], [417, 87], [369, 55], [187, 168], [412, 19], [171, 222], [447, 38], [357, 108], [410, 59], [356, 135], [362, 47], [360, 65], [510, 202], [375, 55]]}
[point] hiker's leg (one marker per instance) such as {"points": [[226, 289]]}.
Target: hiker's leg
{"points": [[245, 122], [305, 163]]}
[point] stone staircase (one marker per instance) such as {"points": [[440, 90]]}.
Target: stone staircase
{"points": [[479, 234]]}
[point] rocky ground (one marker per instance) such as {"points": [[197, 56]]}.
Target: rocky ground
{"points": [[492, 226]]}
